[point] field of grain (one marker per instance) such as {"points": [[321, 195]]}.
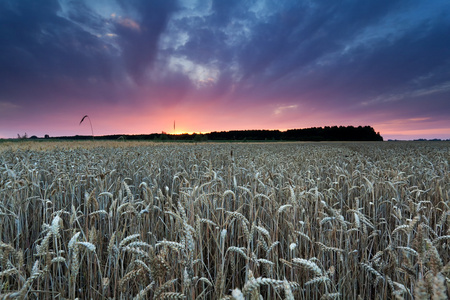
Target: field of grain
{"points": [[225, 221]]}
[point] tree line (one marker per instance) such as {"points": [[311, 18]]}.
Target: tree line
{"points": [[327, 133]]}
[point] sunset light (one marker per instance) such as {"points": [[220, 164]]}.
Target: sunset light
{"points": [[134, 67]]}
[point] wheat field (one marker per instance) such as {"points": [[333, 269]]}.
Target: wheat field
{"points": [[110, 220]]}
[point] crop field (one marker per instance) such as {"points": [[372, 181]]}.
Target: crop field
{"points": [[122, 220]]}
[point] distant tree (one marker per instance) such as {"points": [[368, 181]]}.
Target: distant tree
{"points": [[47, 136], [200, 137], [22, 137]]}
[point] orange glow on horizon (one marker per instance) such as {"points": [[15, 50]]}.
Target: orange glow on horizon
{"points": [[205, 117], [185, 132], [414, 128]]}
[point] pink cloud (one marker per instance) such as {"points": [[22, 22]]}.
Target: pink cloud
{"points": [[126, 22]]}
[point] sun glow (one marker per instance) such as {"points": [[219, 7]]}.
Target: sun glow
{"points": [[181, 132]]}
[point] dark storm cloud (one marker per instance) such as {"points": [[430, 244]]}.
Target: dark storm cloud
{"points": [[402, 75], [292, 37], [293, 49], [328, 29], [49, 46], [369, 70], [139, 41], [225, 10], [42, 51], [270, 46]]}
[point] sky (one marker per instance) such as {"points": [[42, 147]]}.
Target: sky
{"points": [[136, 66]]}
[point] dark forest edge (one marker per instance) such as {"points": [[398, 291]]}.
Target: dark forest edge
{"points": [[334, 133]]}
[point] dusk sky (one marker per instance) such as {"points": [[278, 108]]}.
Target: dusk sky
{"points": [[135, 66]]}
